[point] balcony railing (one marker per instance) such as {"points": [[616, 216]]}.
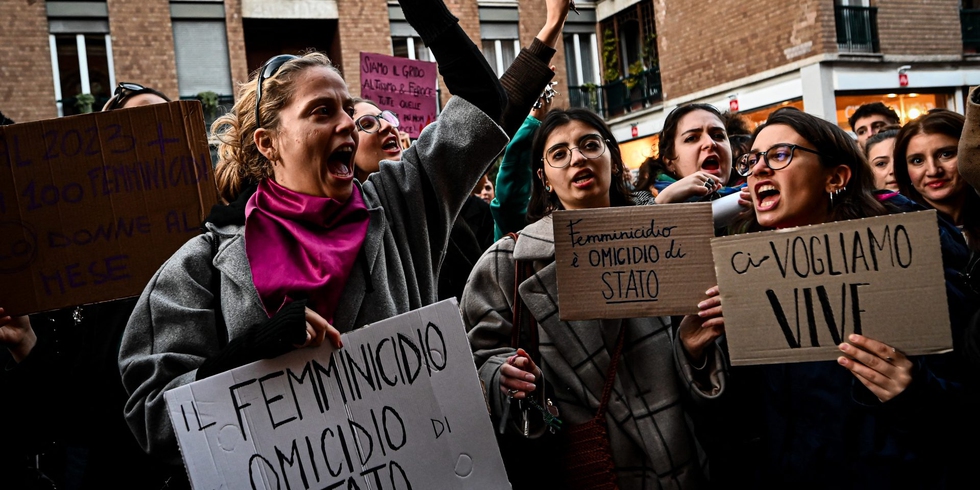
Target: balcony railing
{"points": [[970, 22], [621, 96], [857, 29]]}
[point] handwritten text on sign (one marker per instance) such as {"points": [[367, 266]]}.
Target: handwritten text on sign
{"points": [[633, 261], [794, 295], [398, 407], [403, 86], [91, 205]]}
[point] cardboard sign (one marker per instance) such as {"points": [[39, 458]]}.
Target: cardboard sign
{"points": [[91, 205], [794, 295], [403, 86], [400, 406], [634, 261]]}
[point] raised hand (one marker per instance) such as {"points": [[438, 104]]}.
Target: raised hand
{"points": [[697, 184]]}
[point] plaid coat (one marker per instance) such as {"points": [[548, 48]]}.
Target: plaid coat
{"points": [[652, 444]]}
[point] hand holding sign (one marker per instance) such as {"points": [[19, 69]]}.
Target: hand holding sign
{"points": [[318, 329], [17, 335], [518, 375], [698, 331], [880, 367]]}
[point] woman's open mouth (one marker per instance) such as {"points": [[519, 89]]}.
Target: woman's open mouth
{"points": [[391, 145], [583, 179], [767, 196], [711, 165], [339, 163]]}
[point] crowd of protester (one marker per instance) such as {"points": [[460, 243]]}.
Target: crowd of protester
{"points": [[305, 171]]}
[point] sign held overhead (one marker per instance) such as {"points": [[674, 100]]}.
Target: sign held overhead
{"points": [[634, 261], [91, 205], [794, 295]]}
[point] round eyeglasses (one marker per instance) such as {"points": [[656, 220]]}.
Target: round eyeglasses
{"points": [[777, 157], [590, 146], [371, 123], [268, 70]]}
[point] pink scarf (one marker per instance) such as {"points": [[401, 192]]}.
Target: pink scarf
{"points": [[302, 247]]}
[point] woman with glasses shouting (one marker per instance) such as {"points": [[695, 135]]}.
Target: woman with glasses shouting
{"points": [[577, 165], [875, 418], [378, 138], [316, 253]]}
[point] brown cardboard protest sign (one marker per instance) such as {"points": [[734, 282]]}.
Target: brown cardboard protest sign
{"points": [[794, 295], [633, 261], [91, 205]]}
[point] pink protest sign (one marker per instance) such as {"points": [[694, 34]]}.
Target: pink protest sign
{"points": [[403, 86]]}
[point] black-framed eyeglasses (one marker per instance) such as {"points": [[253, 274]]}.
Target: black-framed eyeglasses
{"points": [[125, 90], [590, 146], [371, 123], [268, 70], [776, 157]]}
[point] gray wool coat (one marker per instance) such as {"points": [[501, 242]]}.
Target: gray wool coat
{"points": [[412, 205], [652, 443]]}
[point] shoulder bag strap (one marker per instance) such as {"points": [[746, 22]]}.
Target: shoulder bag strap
{"points": [[611, 374], [523, 320]]}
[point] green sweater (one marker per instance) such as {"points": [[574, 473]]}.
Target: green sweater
{"points": [[513, 187]]}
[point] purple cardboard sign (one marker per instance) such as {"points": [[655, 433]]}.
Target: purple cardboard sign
{"points": [[403, 86]]}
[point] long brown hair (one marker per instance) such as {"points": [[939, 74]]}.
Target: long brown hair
{"points": [[856, 199], [937, 121], [239, 159], [543, 202]]}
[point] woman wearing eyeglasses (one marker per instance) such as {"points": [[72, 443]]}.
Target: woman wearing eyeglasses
{"points": [[317, 252], [875, 418], [578, 166], [378, 138]]}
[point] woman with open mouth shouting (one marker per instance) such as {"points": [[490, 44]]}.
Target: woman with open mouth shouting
{"points": [[694, 158], [318, 253], [875, 418], [577, 165]]}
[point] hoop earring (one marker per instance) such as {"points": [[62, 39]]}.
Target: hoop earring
{"points": [[547, 188]]}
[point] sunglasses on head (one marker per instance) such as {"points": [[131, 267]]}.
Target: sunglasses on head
{"points": [[268, 70], [125, 90]]}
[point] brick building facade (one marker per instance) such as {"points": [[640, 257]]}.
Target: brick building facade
{"points": [[52, 51], [630, 60], [826, 57]]}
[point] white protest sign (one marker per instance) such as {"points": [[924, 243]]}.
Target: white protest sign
{"points": [[400, 406], [794, 295]]}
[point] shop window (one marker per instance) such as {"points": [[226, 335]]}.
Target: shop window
{"points": [[759, 115], [908, 106]]}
